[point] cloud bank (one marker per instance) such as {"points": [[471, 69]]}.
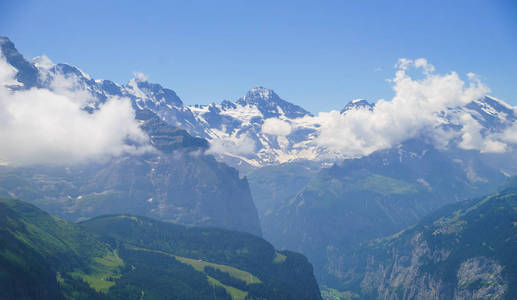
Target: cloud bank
{"points": [[41, 126], [419, 108]]}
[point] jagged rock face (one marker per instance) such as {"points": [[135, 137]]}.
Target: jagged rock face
{"points": [[403, 280], [480, 278], [477, 278], [463, 251]]}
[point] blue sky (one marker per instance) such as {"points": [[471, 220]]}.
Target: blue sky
{"points": [[319, 54]]}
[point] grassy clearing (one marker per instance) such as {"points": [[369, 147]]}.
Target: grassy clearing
{"points": [[199, 265], [235, 293], [104, 271]]}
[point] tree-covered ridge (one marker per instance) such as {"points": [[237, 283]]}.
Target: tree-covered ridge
{"points": [[43, 257], [281, 278]]}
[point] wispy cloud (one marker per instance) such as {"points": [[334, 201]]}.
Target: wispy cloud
{"points": [[139, 76]]}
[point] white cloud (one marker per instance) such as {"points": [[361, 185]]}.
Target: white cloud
{"points": [[471, 137], [40, 126], [422, 63], [139, 76], [510, 134], [415, 110], [277, 127], [70, 87], [7, 73]]}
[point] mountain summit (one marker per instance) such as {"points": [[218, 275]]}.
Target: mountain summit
{"points": [[270, 104], [357, 104]]}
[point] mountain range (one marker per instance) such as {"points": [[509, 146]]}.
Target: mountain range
{"points": [[256, 130], [308, 186]]}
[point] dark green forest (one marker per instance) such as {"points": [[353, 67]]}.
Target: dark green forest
{"points": [[129, 257]]}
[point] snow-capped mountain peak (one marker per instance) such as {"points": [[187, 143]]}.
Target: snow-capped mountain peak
{"points": [[260, 93], [358, 104], [270, 104], [491, 112]]}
